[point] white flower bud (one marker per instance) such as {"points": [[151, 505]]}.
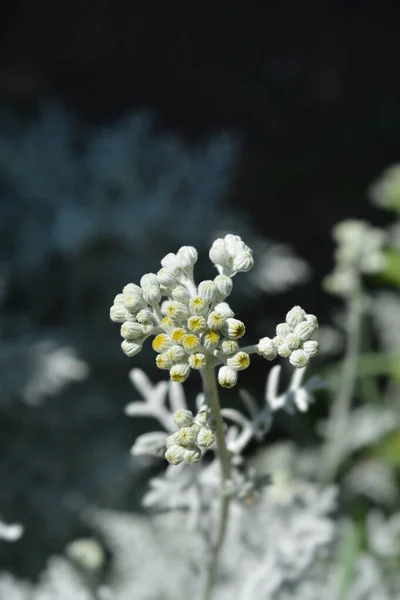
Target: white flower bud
{"points": [[167, 277], [205, 437], [243, 261], [132, 288], [170, 441], [313, 320], [131, 348], [239, 361], [234, 244], [186, 436], [117, 313], [175, 454], [278, 340], [203, 415], [183, 417], [149, 279], [196, 324], [198, 306], [284, 350], [227, 377], [208, 290], [192, 455], [152, 294], [174, 310], [134, 302], [304, 330], [177, 335], [215, 320], [283, 329], [161, 343], [225, 310], [167, 324], [311, 348], [177, 354], [163, 361], [234, 328], [131, 331], [293, 340], [119, 299], [224, 285], [197, 361], [181, 294], [210, 339], [299, 359], [179, 372], [295, 316], [187, 256], [267, 348], [191, 343], [229, 347], [171, 262], [219, 254], [145, 316]]}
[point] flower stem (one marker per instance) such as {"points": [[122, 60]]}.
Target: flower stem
{"points": [[211, 393], [333, 450]]}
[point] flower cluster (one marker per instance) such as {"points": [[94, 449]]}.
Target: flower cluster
{"points": [[193, 326], [293, 339], [194, 434]]}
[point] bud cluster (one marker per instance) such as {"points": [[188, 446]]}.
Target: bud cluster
{"points": [[231, 255], [194, 435], [191, 324], [293, 339]]}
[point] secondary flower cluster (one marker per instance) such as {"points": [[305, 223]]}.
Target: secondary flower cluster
{"points": [[194, 434], [292, 339], [193, 326]]}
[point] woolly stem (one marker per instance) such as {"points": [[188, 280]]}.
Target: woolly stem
{"points": [[212, 398]]}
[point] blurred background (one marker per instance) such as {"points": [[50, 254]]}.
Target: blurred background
{"points": [[130, 129]]}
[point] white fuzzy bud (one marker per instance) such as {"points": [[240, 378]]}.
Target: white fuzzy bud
{"points": [[177, 354], [171, 262], [196, 324], [145, 316], [210, 339], [234, 328], [181, 294], [163, 361], [198, 306], [186, 436], [205, 437], [187, 256], [293, 340], [239, 361], [131, 348], [267, 348], [215, 320], [197, 361], [174, 310], [179, 372], [175, 454], [227, 377], [219, 254], [161, 343], [208, 290], [283, 329], [311, 348], [152, 294], [229, 347], [117, 313], [132, 288], [313, 320], [225, 310], [192, 455], [224, 285], [131, 331], [234, 244], [191, 343], [304, 330], [243, 261], [149, 279], [167, 277], [295, 316], [119, 299], [133, 302], [299, 359], [183, 417], [284, 350]]}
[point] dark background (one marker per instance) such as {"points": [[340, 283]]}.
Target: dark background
{"points": [[312, 91]]}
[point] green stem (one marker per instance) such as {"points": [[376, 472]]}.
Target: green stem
{"points": [[211, 393], [333, 450]]}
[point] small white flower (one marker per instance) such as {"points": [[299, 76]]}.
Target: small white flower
{"points": [[117, 313], [304, 330], [175, 454], [161, 343], [215, 320], [267, 348], [179, 372], [313, 320], [229, 347], [243, 261], [225, 310], [145, 316], [167, 277], [196, 324], [208, 290], [174, 310], [181, 294], [133, 302], [186, 437], [177, 354], [293, 340], [197, 361], [295, 316], [152, 294], [149, 279], [311, 348], [183, 417], [163, 361], [284, 350], [187, 256], [192, 455], [227, 377], [171, 262], [283, 329], [219, 254], [191, 343], [299, 359], [131, 348], [234, 328], [239, 361], [131, 331], [224, 285], [210, 339], [198, 306], [205, 437]]}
